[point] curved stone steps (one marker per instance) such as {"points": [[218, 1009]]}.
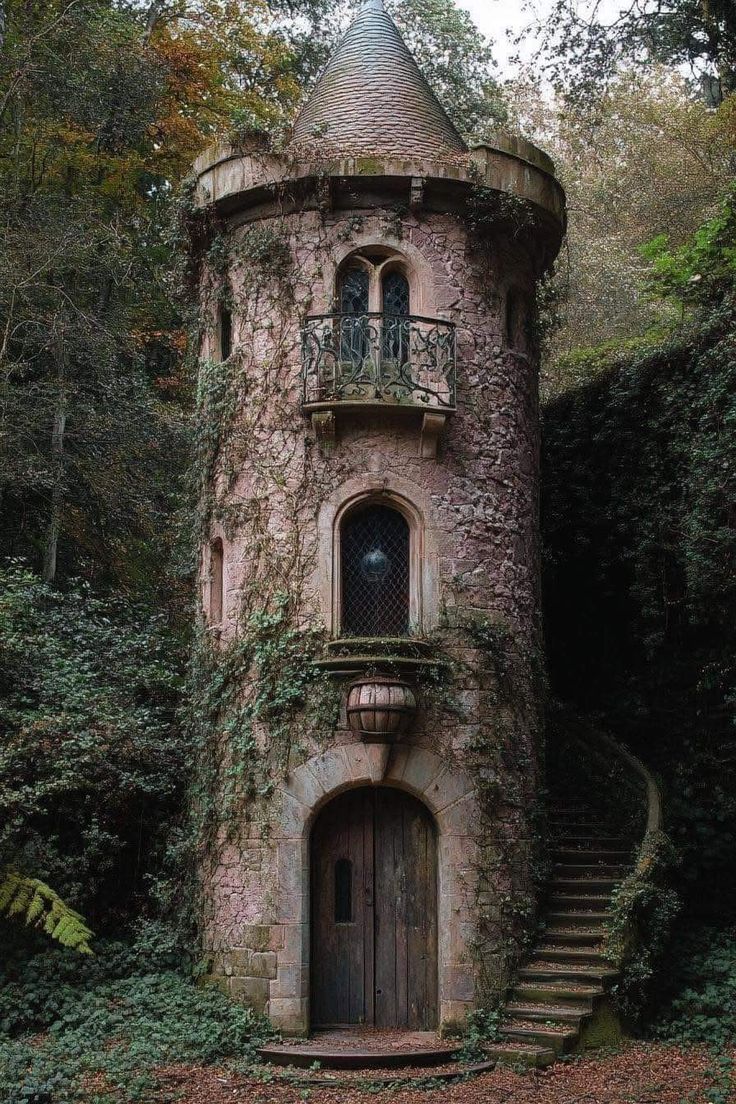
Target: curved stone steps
{"points": [[566, 977], [401, 1079]]}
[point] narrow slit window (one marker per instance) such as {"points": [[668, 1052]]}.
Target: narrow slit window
{"points": [[515, 322], [343, 891], [217, 582], [226, 333]]}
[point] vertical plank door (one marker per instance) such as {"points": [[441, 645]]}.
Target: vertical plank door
{"points": [[342, 912], [405, 913], [374, 912]]}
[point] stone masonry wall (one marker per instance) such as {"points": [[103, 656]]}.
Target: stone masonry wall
{"points": [[473, 754]]}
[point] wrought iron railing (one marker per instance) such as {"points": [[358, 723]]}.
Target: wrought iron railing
{"points": [[379, 358]]}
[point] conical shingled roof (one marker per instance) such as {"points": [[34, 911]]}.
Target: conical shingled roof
{"points": [[373, 99]]}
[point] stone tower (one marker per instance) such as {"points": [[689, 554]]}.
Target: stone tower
{"points": [[369, 661]]}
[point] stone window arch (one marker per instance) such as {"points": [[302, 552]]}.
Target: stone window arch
{"points": [[387, 279], [378, 547]]}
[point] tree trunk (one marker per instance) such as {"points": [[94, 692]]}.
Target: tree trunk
{"points": [[51, 544]]}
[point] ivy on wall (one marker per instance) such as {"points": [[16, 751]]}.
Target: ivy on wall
{"points": [[639, 527]]}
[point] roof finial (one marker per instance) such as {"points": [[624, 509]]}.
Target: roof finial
{"points": [[372, 5]]}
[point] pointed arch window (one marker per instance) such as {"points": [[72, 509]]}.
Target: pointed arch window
{"points": [[375, 557], [396, 303], [354, 301]]}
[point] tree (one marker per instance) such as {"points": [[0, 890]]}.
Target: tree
{"points": [[104, 107], [645, 158], [583, 49]]}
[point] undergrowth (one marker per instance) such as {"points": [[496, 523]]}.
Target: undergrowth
{"points": [[700, 1004], [98, 1028]]}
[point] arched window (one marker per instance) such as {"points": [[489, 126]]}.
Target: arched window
{"points": [[355, 291], [354, 300], [395, 299], [396, 294], [217, 581], [375, 548]]}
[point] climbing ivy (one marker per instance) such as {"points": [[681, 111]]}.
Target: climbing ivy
{"points": [[638, 934]]}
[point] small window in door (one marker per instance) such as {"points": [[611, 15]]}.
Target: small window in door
{"points": [[343, 891]]}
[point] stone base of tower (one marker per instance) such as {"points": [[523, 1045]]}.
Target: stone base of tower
{"points": [[263, 950]]}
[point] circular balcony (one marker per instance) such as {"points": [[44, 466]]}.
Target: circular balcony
{"points": [[358, 362]]}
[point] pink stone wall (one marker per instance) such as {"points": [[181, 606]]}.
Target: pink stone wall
{"points": [[478, 503]]}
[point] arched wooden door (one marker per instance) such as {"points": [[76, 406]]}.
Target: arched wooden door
{"points": [[374, 912]]}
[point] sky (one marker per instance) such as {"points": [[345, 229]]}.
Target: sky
{"points": [[495, 18]]}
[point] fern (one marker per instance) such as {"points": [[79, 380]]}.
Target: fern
{"points": [[35, 902]]}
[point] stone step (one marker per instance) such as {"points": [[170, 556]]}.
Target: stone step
{"points": [[590, 883], [545, 969], [587, 902], [578, 917], [548, 1013], [616, 871], [553, 952], [341, 1056], [570, 808], [566, 856], [401, 1079], [559, 992], [595, 842], [575, 936], [513, 1053], [559, 1039]]}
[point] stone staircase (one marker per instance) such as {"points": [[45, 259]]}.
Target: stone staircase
{"points": [[560, 991]]}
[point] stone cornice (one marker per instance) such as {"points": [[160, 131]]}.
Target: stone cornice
{"points": [[240, 183]]}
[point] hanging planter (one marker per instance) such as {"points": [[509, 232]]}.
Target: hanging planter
{"points": [[380, 709]]}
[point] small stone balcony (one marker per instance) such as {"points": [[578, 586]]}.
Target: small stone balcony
{"points": [[400, 363]]}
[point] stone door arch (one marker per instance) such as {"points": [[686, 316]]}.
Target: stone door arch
{"points": [[447, 792]]}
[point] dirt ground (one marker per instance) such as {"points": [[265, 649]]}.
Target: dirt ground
{"points": [[640, 1073]]}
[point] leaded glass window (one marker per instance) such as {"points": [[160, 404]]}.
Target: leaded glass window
{"points": [[354, 299], [354, 292], [375, 573], [395, 322], [395, 294]]}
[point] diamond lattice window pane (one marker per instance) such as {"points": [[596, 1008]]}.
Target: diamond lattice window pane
{"points": [[354, 292], [395, 310], [375, 573], [395, 294]]}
